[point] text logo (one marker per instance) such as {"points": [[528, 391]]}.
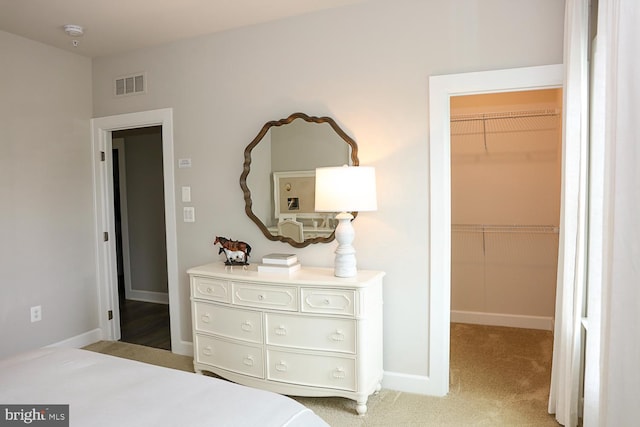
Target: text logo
{"points": [[34, 415]]}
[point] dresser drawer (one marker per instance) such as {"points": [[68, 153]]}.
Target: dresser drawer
{"points": [[210, 288], [273, 297], [228, 322], [312, 370], [329, 301], [232, 356], [312, 333]]}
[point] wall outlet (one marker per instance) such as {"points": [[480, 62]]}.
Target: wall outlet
{"points": [[36, 313]]}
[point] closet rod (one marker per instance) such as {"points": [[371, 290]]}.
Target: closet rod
{"points": [[504, 115]]}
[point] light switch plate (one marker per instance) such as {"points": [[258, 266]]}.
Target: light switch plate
{"points": [[186, 194]]}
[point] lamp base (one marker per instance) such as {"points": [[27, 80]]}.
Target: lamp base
{"points": [[345, 262]]}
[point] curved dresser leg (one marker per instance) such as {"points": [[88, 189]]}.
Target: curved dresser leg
{"points": [[361, 407]]}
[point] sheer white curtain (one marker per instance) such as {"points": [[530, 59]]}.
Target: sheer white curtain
{"points": [[595, 261], [566, 367], [612, 377]]}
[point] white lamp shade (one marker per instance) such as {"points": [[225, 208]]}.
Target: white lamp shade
{"points": [[346, 189]]}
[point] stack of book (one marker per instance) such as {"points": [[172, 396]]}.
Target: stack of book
{"points": [[279, 263]]}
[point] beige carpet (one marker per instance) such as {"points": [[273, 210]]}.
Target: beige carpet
{"points": [[499, 377]]}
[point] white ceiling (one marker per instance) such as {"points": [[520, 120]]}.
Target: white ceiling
{"points": [[116, 26]]}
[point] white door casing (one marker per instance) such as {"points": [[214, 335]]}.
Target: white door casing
{"points": [[106, 268], [441, 89]]}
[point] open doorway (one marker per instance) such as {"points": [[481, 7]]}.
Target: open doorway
{"points": [[441, 89], [102, 130], [506, 164], [140, 236]]}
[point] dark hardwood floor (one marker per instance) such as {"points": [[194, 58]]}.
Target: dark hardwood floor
{"points": [[145, 323]]}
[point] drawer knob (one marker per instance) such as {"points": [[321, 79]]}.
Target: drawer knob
{"points": [[209, 289], [246, 326], [327, 301], [248, 360], [281, 330], [206, 318], [339, 373], [337, 336], [207, 351], [261, 297], [281, 366]]}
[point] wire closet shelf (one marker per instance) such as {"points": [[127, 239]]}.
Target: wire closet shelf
{"points": [[507, 123], [527, 114], [497, 228]]}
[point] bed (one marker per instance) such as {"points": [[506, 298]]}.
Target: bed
{"points": [[104, 390]]}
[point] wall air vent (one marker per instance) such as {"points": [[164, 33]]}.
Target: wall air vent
{"points": [[134, 84]]}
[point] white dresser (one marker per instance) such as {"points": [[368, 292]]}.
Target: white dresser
{"points": [[305, 334]]}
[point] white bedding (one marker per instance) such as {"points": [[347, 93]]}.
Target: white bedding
{"points": [[109, 391]]}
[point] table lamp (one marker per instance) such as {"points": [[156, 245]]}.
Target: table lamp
{"points": [[345, 189]]}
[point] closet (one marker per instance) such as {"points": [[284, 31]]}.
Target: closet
{"points": [[506, 157]]}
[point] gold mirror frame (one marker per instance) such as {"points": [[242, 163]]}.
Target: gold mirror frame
{"points": [[247, 169]]}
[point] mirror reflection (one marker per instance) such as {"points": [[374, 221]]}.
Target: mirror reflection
{"points": [[278, 179]]}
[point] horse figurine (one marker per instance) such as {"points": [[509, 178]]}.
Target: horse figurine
{"points": [[233, 257], [236, 252]]}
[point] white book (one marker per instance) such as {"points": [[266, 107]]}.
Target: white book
{"points": [[280, 259], [279, 269]]}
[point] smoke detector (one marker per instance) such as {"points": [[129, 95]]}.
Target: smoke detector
{"points": [[73, 30]]}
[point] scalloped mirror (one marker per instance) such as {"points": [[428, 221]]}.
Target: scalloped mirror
{"points": [[278, 177]]}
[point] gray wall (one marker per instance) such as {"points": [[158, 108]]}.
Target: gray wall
{"points": [[46, 220], [368, 67]]}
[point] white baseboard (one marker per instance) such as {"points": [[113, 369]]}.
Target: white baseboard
{"points": [[408, 383], [81, 340], [184, 348], [148, 296], [498, 319]]}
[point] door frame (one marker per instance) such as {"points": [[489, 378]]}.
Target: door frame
{"points": [[441, 89], [101, 131]]}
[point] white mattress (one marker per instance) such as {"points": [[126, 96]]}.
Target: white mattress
{"points": [[109, 391]]}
